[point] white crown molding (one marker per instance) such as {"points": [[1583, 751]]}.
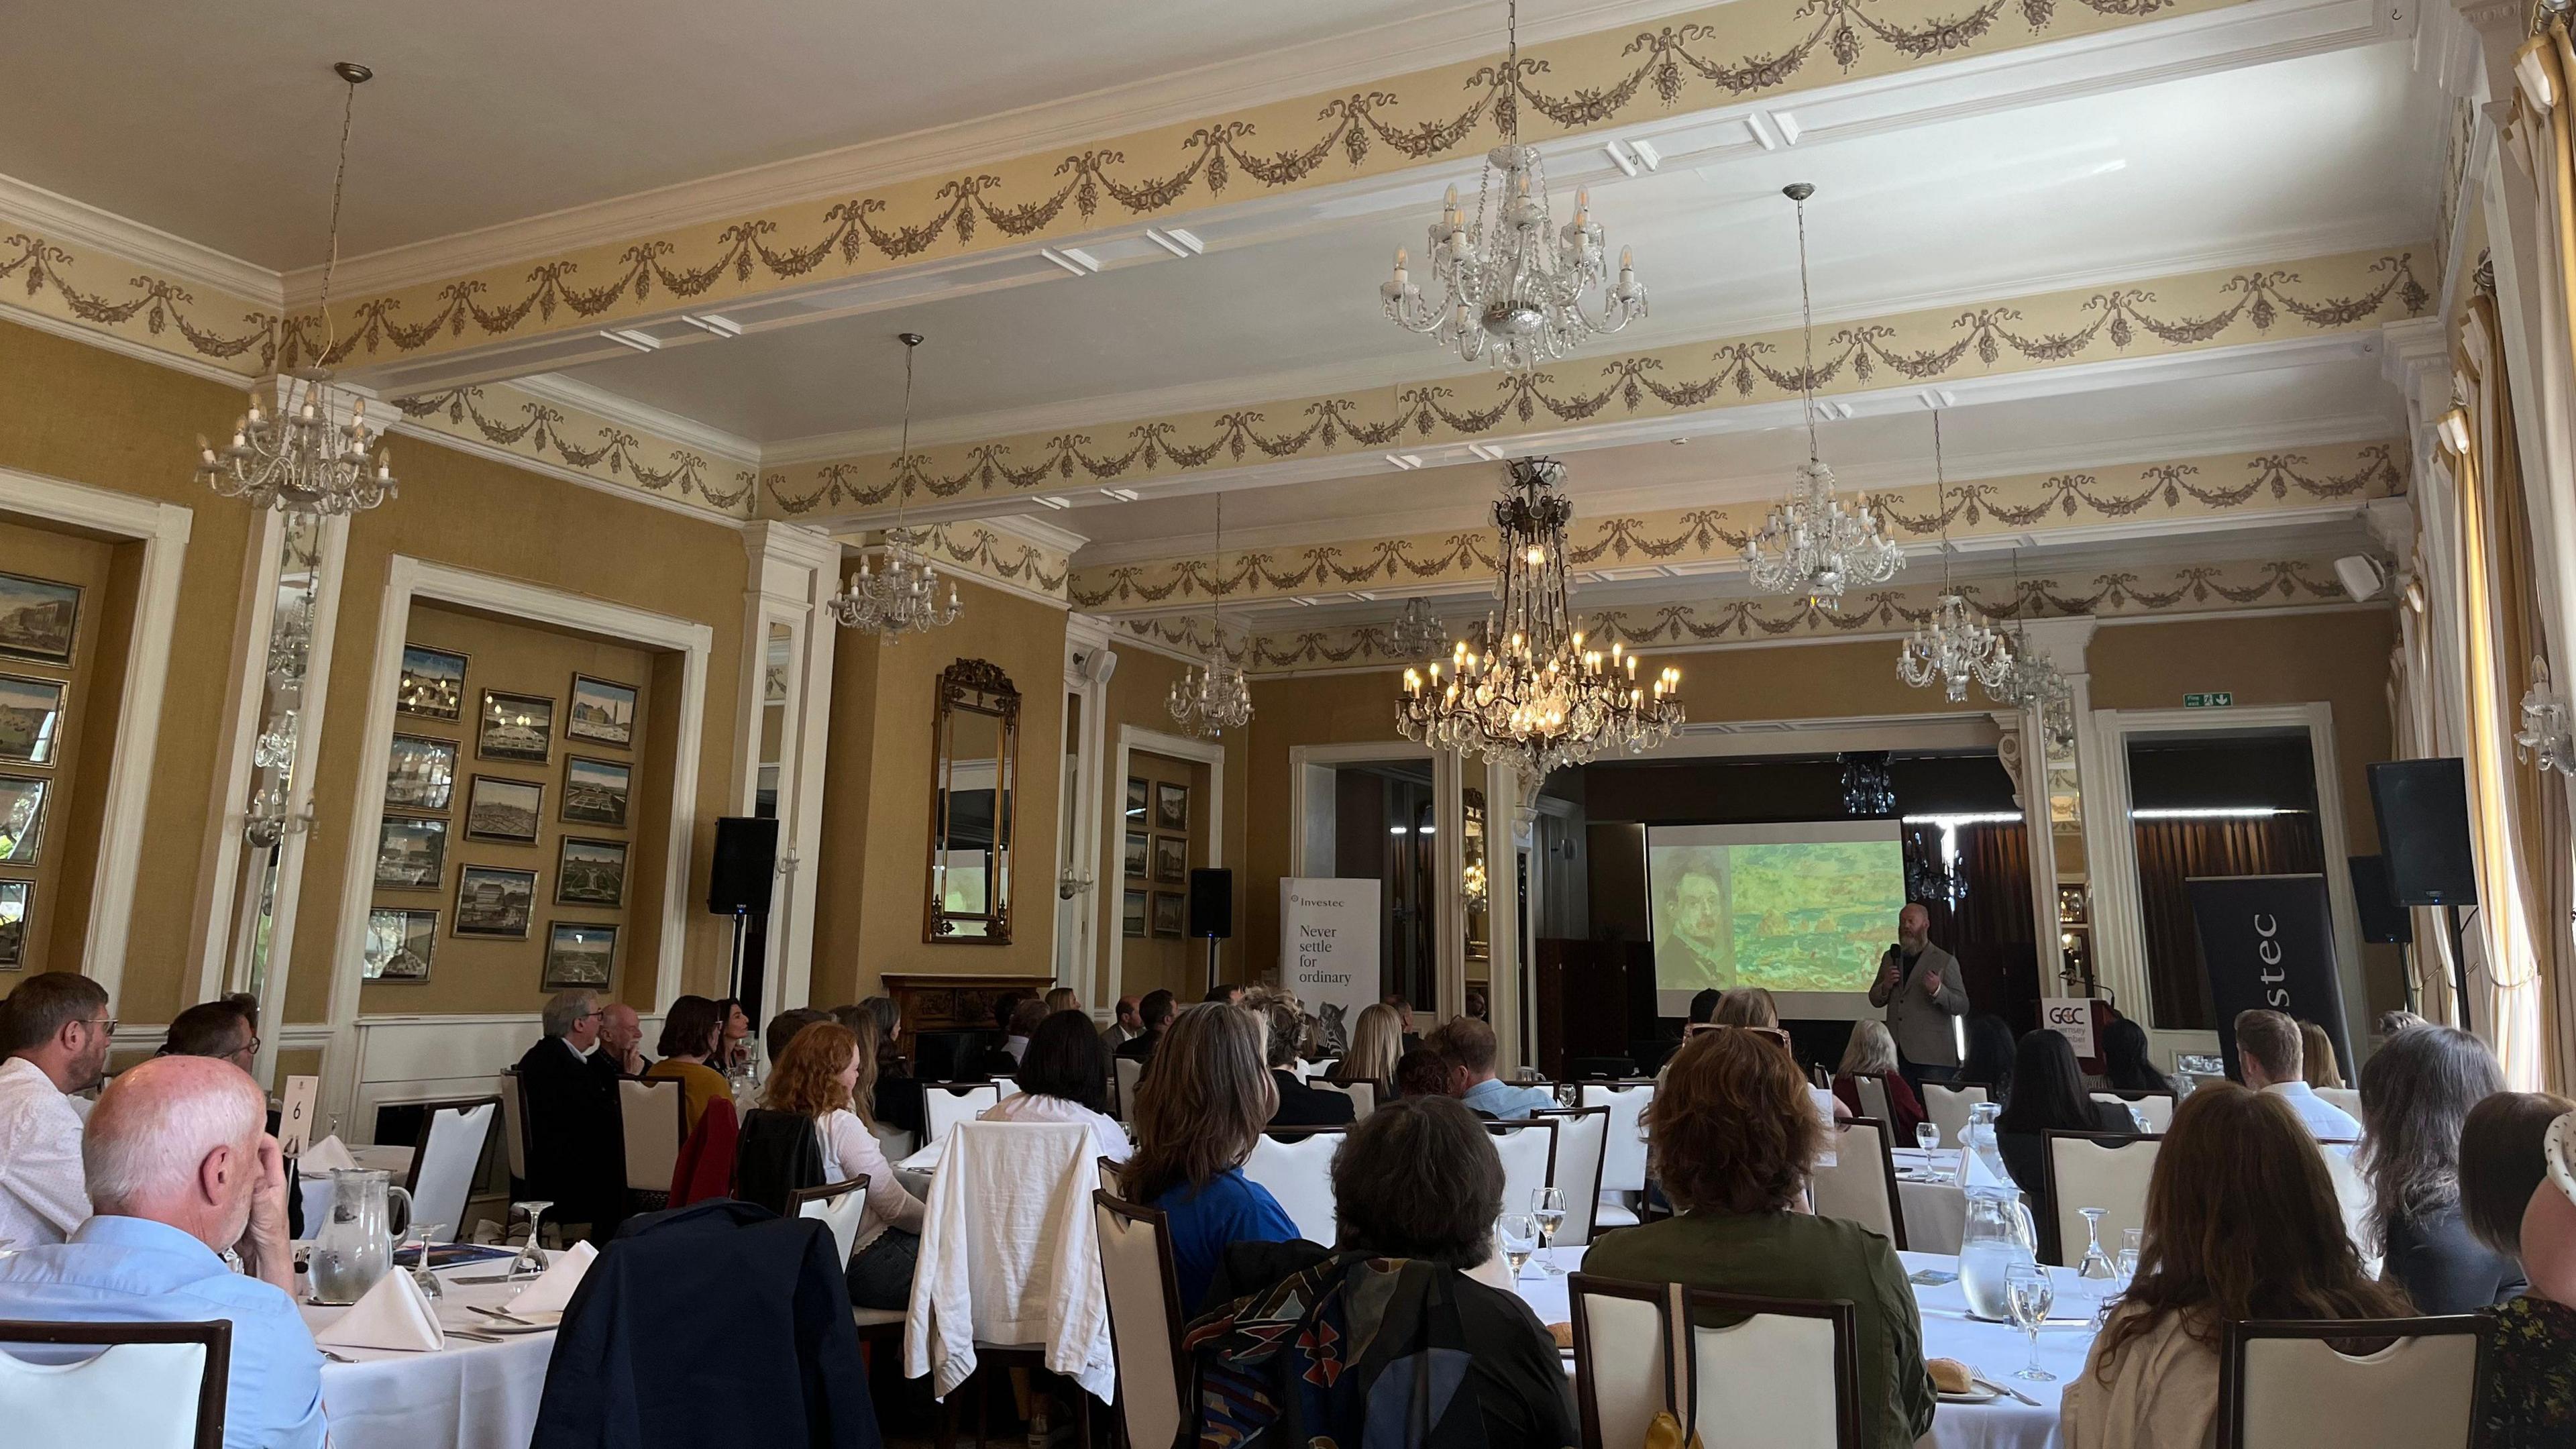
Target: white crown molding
{"points": [[121, 345], [1028, 528], [175, 258], [642, 417]]}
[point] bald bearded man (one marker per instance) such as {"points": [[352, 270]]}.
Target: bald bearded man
{"points": [[1919, 985]]}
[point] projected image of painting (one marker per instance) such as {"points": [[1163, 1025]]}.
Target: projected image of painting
{"points": [[1788, 916]]}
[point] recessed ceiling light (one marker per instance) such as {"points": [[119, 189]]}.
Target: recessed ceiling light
{"points": [[1123, 495], [709, 322], [1050, 500], [641, 341]]}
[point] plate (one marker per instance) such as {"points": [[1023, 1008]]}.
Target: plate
{"points": [[1976, 1394]]}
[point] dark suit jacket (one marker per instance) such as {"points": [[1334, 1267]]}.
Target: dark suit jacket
{"points": [[708, 1327], [1140, 1048], [1303, 1106], [576, 1147]]}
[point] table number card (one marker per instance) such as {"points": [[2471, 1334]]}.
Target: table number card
{"points": [[295, 1115]]}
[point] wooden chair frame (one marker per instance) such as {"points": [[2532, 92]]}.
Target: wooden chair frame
{"points": [[1838, 1311], [216, 1336], [1579, 1286], [2236, 1335], [1886, 1169], [1153, 1218], [2048, 1166]]}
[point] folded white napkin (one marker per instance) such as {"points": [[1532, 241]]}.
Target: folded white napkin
{"points": [[393, 1314], [553, 1288], [324, 1158]]}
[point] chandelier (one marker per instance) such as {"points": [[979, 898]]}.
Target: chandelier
{"points": [[1213, 696], [902, 597], [1528, 692], [1813, 545], [1869, 793], [2544, 738], [288, 452], [2031, 682], [1952, 646], [1514, 286], [1417, 632]]}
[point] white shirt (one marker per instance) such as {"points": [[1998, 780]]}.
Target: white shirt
{"points": [[42, 1194], [851, 1150], [2324, 1120], [1108, 1139]]}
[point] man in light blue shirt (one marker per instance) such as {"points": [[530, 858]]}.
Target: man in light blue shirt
{"points": [[1471, 1044], [179, 1167], [2272, 1058]]}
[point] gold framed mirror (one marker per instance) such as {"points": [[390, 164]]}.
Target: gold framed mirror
{"points": [[974, 776]]}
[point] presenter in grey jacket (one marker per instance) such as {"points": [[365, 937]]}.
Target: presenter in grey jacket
{"points": [[1919, 985]]}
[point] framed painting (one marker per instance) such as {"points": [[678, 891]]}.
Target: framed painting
{"points": [[14, 895], [595, 791], [420, 774], [22, 817], [1168, 913], [39, 618], [578, 954], [1172, 859], [602, 711], [515, 727], [399, 945], [590, 872], [433, 683], [31, 719], [505, 810], [411, 854], [492, 900], [1171, 806], [1131, 914], [1137, 846]]}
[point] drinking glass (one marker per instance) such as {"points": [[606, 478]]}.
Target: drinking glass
{"points": [[532, 1258], [2132, 1240], [2031, 1294], [1547, 1205], [1520, 1240], [2097, 1264], [425, 1234], [1927, 1137]]}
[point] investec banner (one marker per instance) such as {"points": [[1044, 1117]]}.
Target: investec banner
{"points": [[1328, 935], [2267, 941]]}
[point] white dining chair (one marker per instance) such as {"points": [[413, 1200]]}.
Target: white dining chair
{"points": [[1144, 1296], [1005, 1087], [1582, 1136], [1859, 1185], [1320, 1067], [945, 1104], [2097, 1170], [1623, 1160], [1787, 1373], [1129, 1071], [2346, 1098], [841, 1205], [126, 1385], [1947, 1107], [2282, 1384], [1363, 1096], [1873, 1098], [2153, 1110], [651, 1116], [1297, 1169], [1528, 1150], [444, 1165], [1627, 1367]]}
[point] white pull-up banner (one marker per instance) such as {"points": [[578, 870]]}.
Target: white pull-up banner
{"points": [[1328, 943]]}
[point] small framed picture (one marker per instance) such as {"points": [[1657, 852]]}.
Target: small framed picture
{"points": [[594, 791], [31, 719], [433, 683], [13, 923], [1171, 806], [578, 954], [1135, 801], [1168, 912], [504, 809], [492, 900], [22, 817], [1131, 914], [399, 945], [1172, 859], [411, 854], [515, 727], [1137, 846], [602, 712], [590, 872], [39, 618], [420, 774]]}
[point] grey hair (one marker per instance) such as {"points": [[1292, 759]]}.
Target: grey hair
{"points": [[1872, 1052], [567, 1007], [141, 1143]]}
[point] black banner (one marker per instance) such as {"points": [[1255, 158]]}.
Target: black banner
{"points": [[2267, 941]]}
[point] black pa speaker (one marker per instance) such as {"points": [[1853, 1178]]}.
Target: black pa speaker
{"points": [[2423, 809], [1212, 903], [2382, 919], [746, 864]]}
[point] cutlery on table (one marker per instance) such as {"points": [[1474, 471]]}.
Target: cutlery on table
{"points": [[497, 1313], [1982, 1381]]}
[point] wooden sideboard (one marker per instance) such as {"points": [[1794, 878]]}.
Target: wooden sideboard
{"points": [[953, 1002]]}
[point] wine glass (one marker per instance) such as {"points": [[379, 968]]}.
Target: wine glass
{"points": [[1927, 1138], [2132, 1240], [425, 1234], [2030, 1293], [1520, 1240], [1547, 1205], [532, 1258], [2097, 1264]]}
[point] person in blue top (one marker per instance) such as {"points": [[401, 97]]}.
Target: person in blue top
{"points": [[1470, 1043], [1198, 1115]]}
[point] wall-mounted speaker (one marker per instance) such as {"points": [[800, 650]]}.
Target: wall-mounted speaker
{"points": [[1212, 902], [2423, 809], [745, 867]]}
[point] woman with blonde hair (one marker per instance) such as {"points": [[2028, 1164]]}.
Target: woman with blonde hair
{"points": [[1063, 998], [827, 1074], [1198, 1115], [2317, 1057], [1377, 1044], [1747, 1006], [1872, 1053]]}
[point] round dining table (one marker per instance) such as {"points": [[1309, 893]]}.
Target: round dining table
{"points": [[1992, 1350], [477, 1393]]}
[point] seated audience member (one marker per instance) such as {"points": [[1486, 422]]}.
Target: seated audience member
{"points": [[2393, 1021], [2047, 1096], [1470, 1043], [1416, 1189], [218, 1029], [825, 1075], [1299, 1105], [1730, 1138], [1746, 1006], [783, 1027], [1427, 1071], [2272, 1059], [1377, 1044], [1872, 1053], [1198, 1115], [1156, 1012], [1989, 1059], [2415, 1095], [2317, 1057], [1018, 1024], [2241, 1223], [1064, 1077], [690, 1039], [1230, 995], [2521, 1201], [884, 1022], [1403, 1009], [1127, 1023], [576, 1146], [54, 1028], [1476, 1005], [621, 1036], [181, 1171], [734, 1053], [2126, 1064], [1703, 1005], [1063, 998]]}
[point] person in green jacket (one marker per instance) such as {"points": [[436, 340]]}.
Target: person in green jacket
{"points": [[1731, 1136]]}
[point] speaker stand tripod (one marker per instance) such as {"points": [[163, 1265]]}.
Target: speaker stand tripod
{"points": [[2459, 962]]}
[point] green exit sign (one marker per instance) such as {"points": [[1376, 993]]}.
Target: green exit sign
{"points": [[2215, 699]]}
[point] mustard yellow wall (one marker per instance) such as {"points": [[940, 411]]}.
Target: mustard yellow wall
{"points": [[1172, 963]]}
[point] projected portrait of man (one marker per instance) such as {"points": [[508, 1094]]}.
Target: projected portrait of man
{"points": [[1695, 931]]}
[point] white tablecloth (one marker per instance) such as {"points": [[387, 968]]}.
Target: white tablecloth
{"points": [[469, 1395], [1994, 1350], [1936, 1213]]}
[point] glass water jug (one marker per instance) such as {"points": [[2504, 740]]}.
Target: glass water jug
{"points": [[355, 1247], [1998, 1234]]}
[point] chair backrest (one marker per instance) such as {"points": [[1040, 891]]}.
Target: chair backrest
{"points": [[1319, 1067], [1582, 1139], [775, 1155], [2156, 1107], [945, 1104], [651, 1115], [1144, 1318], [1788, 1373], [2346, 1098], [1860, 1184], [1623, 1162], [443, 1163], [1005, 1087], [1363, 1095], [1626, 1368], [129, 1396], [1873, 1097], [2098, 1170], [2282, 1383], [1128, 1069], [514, 1124], [1528, 1150], [841, 1205], [1948, 1108], [1297, 1169], [1012, 1173]]}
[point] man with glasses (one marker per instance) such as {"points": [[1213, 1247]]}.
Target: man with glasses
{"points": [[576, 1148], [218, 1029], [55, 1028]]}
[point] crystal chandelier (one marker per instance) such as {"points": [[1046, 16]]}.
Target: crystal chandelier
{"points": [[1417, 632], [2544, 738], [1812, 545], [902, 597], [1514, 285], [1953, 646], [2032, 682], [1868, 791], [1529, 692], [290, 454], [1213, 697]]}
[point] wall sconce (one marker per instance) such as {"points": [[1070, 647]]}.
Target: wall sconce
{"points": [[2544, 739], [1072, 883], [1473, 886]]}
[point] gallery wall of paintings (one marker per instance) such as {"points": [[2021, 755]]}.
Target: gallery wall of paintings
{"points": [[507, 866], [1163, 833]]}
